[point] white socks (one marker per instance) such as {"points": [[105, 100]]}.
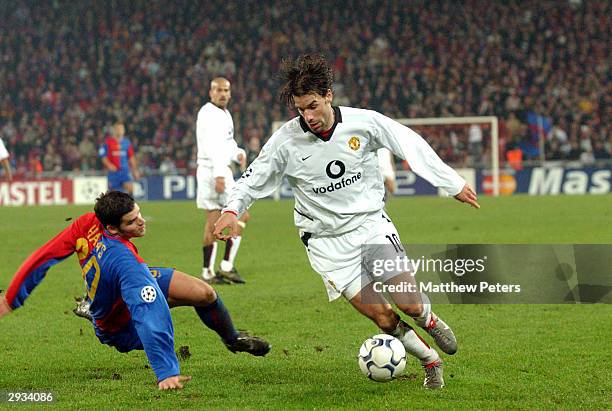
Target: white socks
{"points": [[414, 344], [209, 272], [228, 265], [425, 317]]}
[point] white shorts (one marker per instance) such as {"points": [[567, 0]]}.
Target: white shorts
{"points": [[342, 260], [207, 198]]}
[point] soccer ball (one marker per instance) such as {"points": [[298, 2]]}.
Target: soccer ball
{"points": [[382, 358]]}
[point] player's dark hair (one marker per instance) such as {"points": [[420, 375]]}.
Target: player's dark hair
{"points": [[112, 206], [309, 73], [115, 119]]}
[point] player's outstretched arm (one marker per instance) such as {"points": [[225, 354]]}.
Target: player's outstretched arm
{"points": [[227, 220], [5, 308], [173, 383], [468, 195]]}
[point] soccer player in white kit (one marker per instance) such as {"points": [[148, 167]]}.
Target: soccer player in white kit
{"points": [[217, 149], [4, 159], [328, 155]]}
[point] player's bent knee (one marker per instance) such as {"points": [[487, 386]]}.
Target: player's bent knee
{"points": [[209, 238], [386, 320], [413, 310], [205, 294]]}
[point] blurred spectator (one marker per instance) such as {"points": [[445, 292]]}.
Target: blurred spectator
{"points": [[600, 152], [68, 67], [514, 157], [513, 125], [252, 149], [553, 150], [586, 157], [575, 151], [475, 140], [167, 166]]}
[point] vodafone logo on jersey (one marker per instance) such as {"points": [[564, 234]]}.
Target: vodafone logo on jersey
{"points": [[37, 192], [336, 169]]}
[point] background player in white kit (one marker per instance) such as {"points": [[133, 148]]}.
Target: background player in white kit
{"points": [[217, 149], [328, 156], [4, 159]]}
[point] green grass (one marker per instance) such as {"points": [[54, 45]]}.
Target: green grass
{"points": [[511, 356]]}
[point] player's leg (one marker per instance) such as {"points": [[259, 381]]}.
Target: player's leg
{"points": [[128, 187], [115, 182], [182, 289], [409, 303], [121, 181], [185, 290], [417, 306], [209, 249], [373, 305], [207, 199], [226, 267], [339, 262], [127, 182]]}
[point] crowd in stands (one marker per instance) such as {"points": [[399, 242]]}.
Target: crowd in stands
{"points": [[68, 67]]}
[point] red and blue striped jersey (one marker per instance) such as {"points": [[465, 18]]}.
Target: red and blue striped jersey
{"points": [[118, 152], [120, 287]]}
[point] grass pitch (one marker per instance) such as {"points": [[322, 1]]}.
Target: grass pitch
{"points": [[510, 356]]}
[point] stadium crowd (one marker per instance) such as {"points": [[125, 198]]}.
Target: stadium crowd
{"points": [[542, 67]]}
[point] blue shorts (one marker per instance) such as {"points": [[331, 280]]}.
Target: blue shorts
{"points": [[118, 178], [128, 339]]}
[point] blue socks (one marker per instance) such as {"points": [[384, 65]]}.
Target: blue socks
{"points": [[216, 317]]}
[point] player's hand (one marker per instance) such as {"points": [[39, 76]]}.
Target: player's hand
{"points": [[242, 161], [227, 220], [5, 308], [173, 383], [136, 174], [112, 168], [468, 195], [220, 185]]}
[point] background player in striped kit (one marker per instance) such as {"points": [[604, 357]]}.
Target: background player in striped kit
{"points": [[117, 155]]}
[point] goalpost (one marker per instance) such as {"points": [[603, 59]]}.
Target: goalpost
{"points": [[449, 121]]}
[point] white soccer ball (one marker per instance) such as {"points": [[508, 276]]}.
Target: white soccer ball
{"points": [[382, 358]]}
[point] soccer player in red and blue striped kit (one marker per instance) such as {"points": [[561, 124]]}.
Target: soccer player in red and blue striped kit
{"points": [[117, 155], [129, 301]]}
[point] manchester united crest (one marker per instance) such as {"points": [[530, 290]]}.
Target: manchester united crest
{"points": [[354, 143]]}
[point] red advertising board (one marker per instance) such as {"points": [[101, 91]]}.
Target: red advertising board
{"points": [[36, 192]]}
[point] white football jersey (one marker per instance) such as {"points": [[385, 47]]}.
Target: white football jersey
{"points": [[215, 135], [337, 182]]}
